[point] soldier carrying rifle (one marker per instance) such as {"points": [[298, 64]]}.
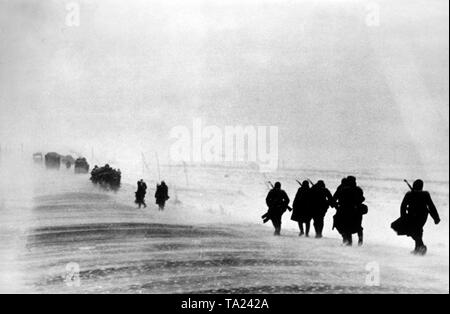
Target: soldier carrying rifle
{"points": [[414, 210], [277, 201]]}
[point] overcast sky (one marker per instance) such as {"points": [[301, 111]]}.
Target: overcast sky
{"points": [[341, 92]]}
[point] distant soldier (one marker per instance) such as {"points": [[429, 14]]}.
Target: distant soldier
{"points": [[277, 201], [349, 199], [321, 200], [161, 195], [301, 208], [416, 206], [140, 193]]}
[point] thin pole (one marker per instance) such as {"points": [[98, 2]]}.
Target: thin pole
{"points": [[143, 165], [157, 165], [186, 173]]}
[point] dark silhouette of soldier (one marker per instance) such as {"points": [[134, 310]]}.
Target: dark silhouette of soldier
{"points": [[414, 210], [277, 201], [338, 218], [340, 187], [161, 195], [350, 209], [140, 193], [321, 200], [301, 208]]}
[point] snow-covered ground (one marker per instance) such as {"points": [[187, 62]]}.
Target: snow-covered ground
{"points": [[209, 239]]}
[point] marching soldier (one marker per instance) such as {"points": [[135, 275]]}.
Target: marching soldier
{"points": [[414, 210], [277, 201], [349, 199], [321, 200], [161, 195], [140, 193], [301, 208]]}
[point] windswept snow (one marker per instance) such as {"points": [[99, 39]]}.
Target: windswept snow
{"points": [[210, 240]]}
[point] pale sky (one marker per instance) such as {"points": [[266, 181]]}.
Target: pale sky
{"points": [[341, 92]]}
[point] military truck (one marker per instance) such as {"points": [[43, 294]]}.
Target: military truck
{"points": [[68, 161], [106, 176], [38, 158], [53, 161], [81, 165]]}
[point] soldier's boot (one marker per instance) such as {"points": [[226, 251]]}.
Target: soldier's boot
{"points": [[300, 225], [319, 229], [360, 238], [348, 240], [308, 226], [416, 249], [422, 250]]}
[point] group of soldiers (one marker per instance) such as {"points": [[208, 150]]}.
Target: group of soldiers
{"points": [[312, 202], [106, 176], [161, 194]]}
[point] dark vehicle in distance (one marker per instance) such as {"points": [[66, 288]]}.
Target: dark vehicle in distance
{"points": [[106, 176], [38, 158], [81, 165], [68, 161], [53, 161]]}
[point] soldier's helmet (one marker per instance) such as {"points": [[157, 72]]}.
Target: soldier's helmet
{"points": [[418, 185], [277, 185], [320, 184], [351, 181]]}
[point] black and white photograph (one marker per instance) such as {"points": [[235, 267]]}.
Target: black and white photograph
{"points": [[222, 152]]}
